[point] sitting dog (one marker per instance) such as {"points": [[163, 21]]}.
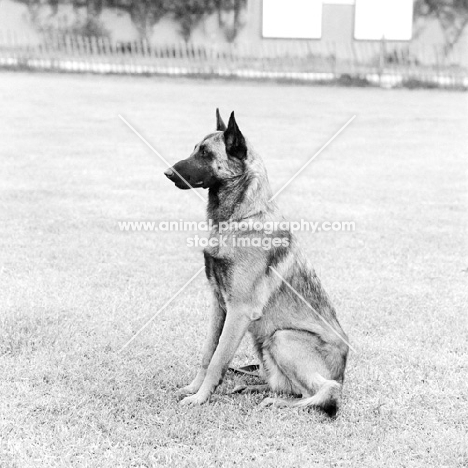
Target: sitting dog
{"points": [[263, 286]]}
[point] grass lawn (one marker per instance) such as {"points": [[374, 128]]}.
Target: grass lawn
{"points": [[74, 288]]}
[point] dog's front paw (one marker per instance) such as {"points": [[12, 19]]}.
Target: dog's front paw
{"points": [[194, 400]]}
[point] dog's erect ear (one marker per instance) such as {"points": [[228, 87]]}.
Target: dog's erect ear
{"points": [[220, 125], [234, 140]]}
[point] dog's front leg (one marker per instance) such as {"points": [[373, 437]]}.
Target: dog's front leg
{"points": [[218, 315], [235, 327]]}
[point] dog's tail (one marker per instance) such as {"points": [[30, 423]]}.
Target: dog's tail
{"points": [[326, 399]]}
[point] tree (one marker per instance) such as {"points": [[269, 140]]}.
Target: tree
{"points": [[143, 13], [146, 13], [232, 9], [189, 13], [452, 16], [88, 25]]}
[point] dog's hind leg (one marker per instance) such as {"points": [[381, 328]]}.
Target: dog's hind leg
{"points": [[297, 363], [326, 399]]}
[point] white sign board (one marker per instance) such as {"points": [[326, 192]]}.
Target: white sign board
{"points": [[292, 19], [389, 19]]}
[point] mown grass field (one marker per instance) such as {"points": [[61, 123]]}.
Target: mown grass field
{"points": [[74, 288]]}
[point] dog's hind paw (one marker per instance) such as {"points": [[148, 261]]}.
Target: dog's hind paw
{"points": [[238, 389], [267, 402], [250, 388]]}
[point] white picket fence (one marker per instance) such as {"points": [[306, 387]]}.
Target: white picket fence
{"points": [[387, 64]]}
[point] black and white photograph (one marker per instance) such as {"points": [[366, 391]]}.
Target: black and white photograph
{"points": [[233, 233]]}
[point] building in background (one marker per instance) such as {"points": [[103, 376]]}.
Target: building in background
{"points": [[379, 42], [260, 22], [340, 21]]}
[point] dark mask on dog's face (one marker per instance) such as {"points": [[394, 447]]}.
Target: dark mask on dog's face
{"points": [[218, 157]]}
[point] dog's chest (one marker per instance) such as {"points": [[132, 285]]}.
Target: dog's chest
{"points": [[218, 271]]}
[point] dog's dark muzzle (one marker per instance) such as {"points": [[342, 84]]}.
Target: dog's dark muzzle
{"points": [[187, 174], [177, 179]]}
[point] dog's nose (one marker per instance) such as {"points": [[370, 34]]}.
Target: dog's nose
{"points": [[169, 173]]}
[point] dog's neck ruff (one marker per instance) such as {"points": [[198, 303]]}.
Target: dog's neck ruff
{"points": [[241, 198]]}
